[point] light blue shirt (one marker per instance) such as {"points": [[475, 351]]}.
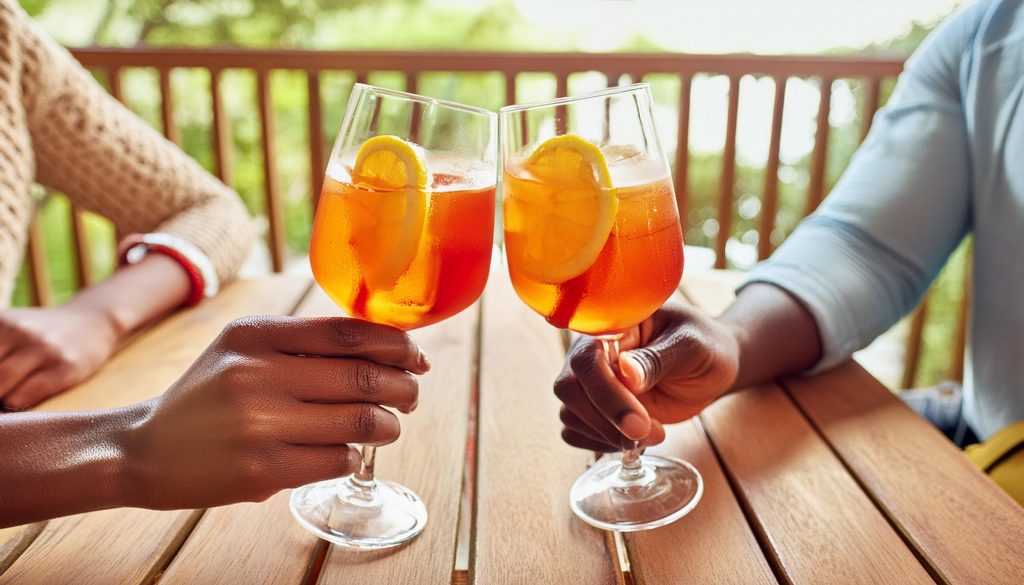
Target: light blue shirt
{"points": [[945, 157]]}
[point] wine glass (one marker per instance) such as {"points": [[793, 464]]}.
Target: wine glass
{"points": [[402, 237], [593, 244]]}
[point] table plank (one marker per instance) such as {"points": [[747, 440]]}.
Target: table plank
{"points": [[14, 540], [430, 459], [246, 543], [524, 530], [70, 546], [712, 544], [122, 545], [814, 520], [963, 525]]}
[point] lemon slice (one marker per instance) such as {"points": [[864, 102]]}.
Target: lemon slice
{"points": [[561, 213], [390, 179]]}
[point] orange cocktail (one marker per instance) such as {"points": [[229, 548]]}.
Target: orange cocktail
{"points": [[638, 267], [379, 265], [593, 243]]}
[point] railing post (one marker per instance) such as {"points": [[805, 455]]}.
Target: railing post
{"points": [[561, 112], [317, 166], [683, 150], [167, 107], [871, 99], [221, 131], [275, 216], [40, 289], [819, 158], [912, 358], [728, 179], [770, 202], [80, 243]]}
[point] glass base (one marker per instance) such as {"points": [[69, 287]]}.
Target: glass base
{"points": [[359, 515], [661, 491]]}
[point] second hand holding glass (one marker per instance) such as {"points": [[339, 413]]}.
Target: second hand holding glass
{"points": [[593, 244]]}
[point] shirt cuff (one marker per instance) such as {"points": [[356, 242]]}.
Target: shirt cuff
{"points": [[136, 247]]}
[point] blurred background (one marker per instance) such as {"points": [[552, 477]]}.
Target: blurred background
{"points": [[859, 29]]}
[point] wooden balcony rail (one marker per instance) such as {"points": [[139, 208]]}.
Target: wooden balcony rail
{"points": [[871, 71]]}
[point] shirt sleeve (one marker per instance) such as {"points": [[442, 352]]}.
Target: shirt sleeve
{"points": [[106, 160], [869, 253]]}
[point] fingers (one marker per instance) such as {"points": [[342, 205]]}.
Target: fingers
{"points": [[315, 379], [37, 386], [578, 405], [328, 337], [585, 442], [16, 367], [300, 465], [607, 393], [580, 427], [337, 424]]}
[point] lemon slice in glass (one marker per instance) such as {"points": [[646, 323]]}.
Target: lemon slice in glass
{"points": [[391, 181], [563, 211]]}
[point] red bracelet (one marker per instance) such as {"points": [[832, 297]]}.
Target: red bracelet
{"points": [[194, 276]]}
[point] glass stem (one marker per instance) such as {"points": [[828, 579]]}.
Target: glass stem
{"points": [[364, 477], [632, 467]]}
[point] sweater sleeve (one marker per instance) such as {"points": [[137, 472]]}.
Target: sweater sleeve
{"points": [[106, 160]]}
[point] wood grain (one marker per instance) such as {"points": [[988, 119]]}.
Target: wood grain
{"points": [[429, 458], [712, 544], [245, 543], [152, 362], [123, 545], [14, 540], [964, 527], [810, 515], [525, 531]]}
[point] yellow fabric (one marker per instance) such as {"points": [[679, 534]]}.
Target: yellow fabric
{"points": [[1002, 458]]}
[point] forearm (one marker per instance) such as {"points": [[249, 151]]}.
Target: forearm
{"points": [[56, 464], [137, 294], [776, 334]]}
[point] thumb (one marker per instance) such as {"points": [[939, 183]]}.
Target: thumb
{"points": [[643, 367]]}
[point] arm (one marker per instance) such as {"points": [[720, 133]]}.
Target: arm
{"points": [[213, 438], [107, 160], [847, 274]]}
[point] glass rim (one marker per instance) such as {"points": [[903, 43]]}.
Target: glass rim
{"points": [[610, 91], [424, 99]]}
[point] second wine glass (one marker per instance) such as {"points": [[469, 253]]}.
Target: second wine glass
{"points": [[593, 243]]}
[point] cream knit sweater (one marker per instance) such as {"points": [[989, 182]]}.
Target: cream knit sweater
{"points": [[60, 128]]}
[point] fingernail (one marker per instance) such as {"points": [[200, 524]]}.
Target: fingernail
{"points": [[424, 361], [635, 374], [634, 426]]}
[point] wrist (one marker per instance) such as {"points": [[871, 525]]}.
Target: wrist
{"points": [[99, 319], [735, 336], [135, 477]]}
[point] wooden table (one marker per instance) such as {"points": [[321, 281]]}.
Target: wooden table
{"points": [[819, 480]]}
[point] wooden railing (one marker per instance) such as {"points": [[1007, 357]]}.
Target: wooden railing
{"points": [[871, 71]]}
